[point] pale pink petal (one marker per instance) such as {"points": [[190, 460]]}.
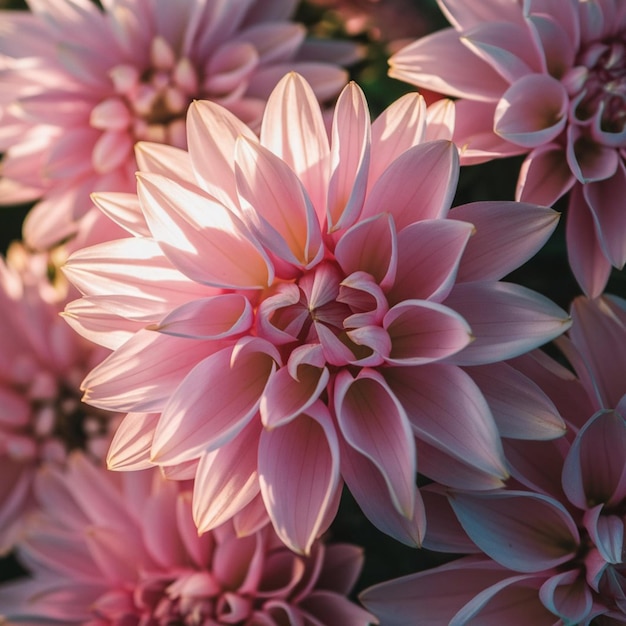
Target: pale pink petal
{"points": [[275, 205], [585, 255], [507, 47], [349, 159], [123, 209], [463, 15], [286, 396], [375, 424], [370, 246], [440, 62], [201, 237], [159, 158], [226, 479], [506, 320], [438, 245], [303, 146], [399, 127], [211, 129], [423, 332], [214, 317], [506, 235], [299, 475], [604, 200], [556, 34], [370, 490], [523, 531], [130, 447], [428, 197], [544, 176], [440, 120], [533, 111], [595, 468], [143, 373], [520, 408], [568, 596], [447, 410], [234, 378]]}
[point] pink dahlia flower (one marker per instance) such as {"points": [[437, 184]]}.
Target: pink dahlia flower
{"points": [[110, 549], [548, 80], [41, 366], [292, 311], [80, 85], [551, 546]]}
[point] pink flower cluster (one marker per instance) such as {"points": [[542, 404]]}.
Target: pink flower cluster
{"points": [[242, 304]]}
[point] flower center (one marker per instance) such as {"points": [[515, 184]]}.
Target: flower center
{"points": [[605, 84]]}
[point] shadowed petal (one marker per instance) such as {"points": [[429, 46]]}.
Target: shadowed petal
{"points": [[130, 447], [533, 111], [506, 235], [606, 531], [544, 176], [523, 531], [226, 479], [328, 607], [428, 197], [201, 237], [568, 596], [349, 159], [233, 379], [374, 423], [299, 475], [506, 320], [447, 410]]}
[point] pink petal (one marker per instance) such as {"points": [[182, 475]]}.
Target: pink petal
{"points": [[556, 35], [275, 205], [544, 176], [523, 531], [608, 214], [123, 209], [234, 378], [423, 332], [143, 373], [442, 63], [303, 146], [520, 408], [585, 255], [428, 197], [201, 237], [375, 424], [506, 320], [130, 447], [226, 479], [371, 492], [533, 111], [437, 245], [214, 317], [440, 120], [211, 129], [370, 246], [463, 15], [299, 475], [341, 568], [112, 149], [286, 396], [508, 48], [447, 410], [589, 161], [399, 127], [159, 158], [328, 607], [568, 596], [595, 468], [606, 531], [349, 159], [506, 235]]}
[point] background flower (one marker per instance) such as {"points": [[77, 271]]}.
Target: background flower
{"points": [[547, 80], [81, 85], [110, 549], [550, 545], [41, 366], [292, 313]]}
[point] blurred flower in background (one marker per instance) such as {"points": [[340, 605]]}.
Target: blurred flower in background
{"points": [[546, 80], [42, 363], [81, 85], [108, 549]]}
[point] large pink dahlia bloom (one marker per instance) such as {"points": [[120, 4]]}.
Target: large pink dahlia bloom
{"points": [[110, 549], [548, 80], [551, 546], [292, 311], [79, 85], [41, 366]]}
